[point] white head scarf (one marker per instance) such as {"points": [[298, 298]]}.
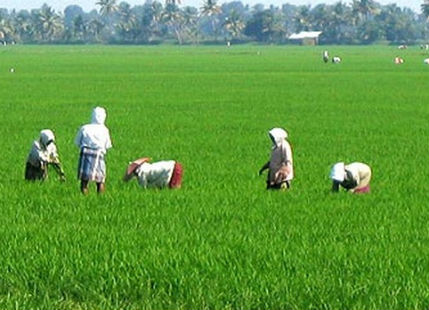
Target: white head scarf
{"points": [[337, 172], [278, 135], [46, 135], [98, 116]]}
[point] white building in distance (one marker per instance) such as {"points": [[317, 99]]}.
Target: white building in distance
{"points": [[306, 37]]}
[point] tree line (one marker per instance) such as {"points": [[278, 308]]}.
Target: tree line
{"points": [[153, 22]]}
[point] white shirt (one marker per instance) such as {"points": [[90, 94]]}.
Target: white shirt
{"points": [[361, 174], [94, 136], [39, 156], [281, 155], [157, 174]]}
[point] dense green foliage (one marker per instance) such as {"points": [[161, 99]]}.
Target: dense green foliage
{"points": [[222, 241], [152, 22]]}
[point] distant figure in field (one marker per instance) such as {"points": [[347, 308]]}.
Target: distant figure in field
{"points": [[426, 61], [280, 165], [161, 174], [42, 154], [398, 60], [354, 177], [93, 140], [325, 56], [336, 60]]}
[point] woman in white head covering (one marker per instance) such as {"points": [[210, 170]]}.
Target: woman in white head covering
{"points": [[354, 177], [325, 56], [280, 165], [336, 59], [160, 174], [93, 140], [42, 154]]}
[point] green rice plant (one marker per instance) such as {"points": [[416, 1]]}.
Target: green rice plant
{"points": [[222, 241]]}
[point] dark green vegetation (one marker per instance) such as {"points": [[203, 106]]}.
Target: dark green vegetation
{"points": [[152, 22], [222, 241]]}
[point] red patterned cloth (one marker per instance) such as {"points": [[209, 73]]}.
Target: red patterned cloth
{"points": [[176, 178], [362, 190]]}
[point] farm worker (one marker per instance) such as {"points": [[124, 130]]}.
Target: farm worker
{"points": [[398, 60], [42, 154], [325, 56], [353, 177], [161, 174], [280, 165], [336, 60], [93, 140]]}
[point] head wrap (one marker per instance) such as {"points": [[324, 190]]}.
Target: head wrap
{"points": [[46, 135], [98, 116], [337, 172], [278, 135]]}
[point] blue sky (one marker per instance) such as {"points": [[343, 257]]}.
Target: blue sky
{"points": [[87, 5]]}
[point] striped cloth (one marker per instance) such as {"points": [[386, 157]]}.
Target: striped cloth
{"points": [[92, 166]]}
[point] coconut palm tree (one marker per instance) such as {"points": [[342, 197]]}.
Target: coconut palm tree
{"points": [[211, 10], [173, 18], [363, 9], [7, 30], [156, 11], [49, 24], [107, 7], [128, 26], [233, 24], [95, 27], [79, 28], [190, 22]]}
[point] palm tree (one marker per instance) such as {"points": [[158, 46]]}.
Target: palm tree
{"points": [[125, 13], [211, 10], [190, 22], [95, 27], [7, 30], [79, 28], [363, 9], [425, 8], [340, 25], [49, 24], [302, 18], [107, 7], [233, 24], [128, 25], [172, 17], [156, 12], [24, 26]]}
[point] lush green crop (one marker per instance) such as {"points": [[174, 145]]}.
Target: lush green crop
{"points": [[222, 241]]}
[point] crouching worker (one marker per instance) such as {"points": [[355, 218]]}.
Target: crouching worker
{"points": [[93, 140], [161, 174], [42, 154], [280, 166], [353, 177]]}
